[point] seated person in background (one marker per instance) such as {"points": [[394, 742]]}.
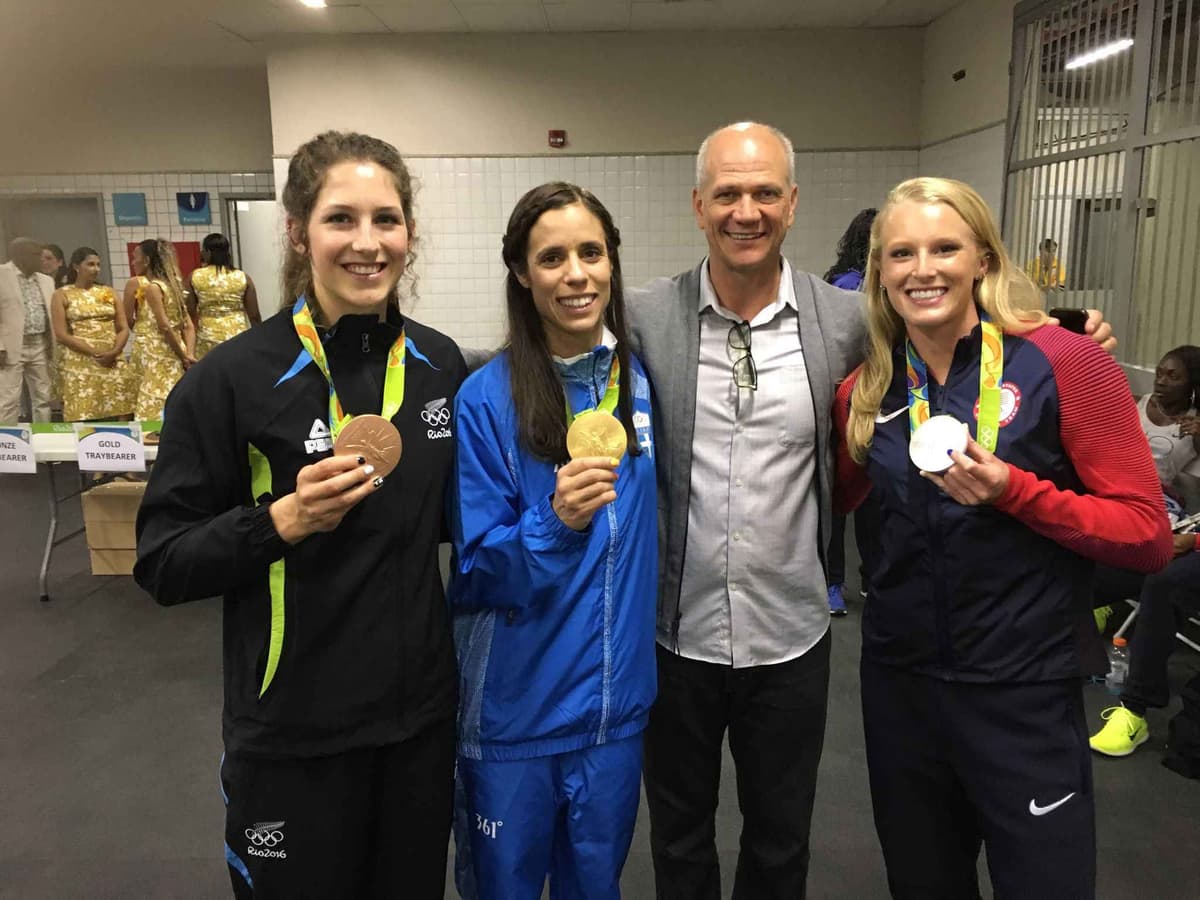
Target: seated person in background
{"points": [[1045, 270], [1160, 598], [1169, 415]]}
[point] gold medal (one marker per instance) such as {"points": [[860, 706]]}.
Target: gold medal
{"points": [[373, 438], [596, 433]]}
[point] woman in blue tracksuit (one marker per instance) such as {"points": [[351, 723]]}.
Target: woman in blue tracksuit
{"points": [[556, 571]]}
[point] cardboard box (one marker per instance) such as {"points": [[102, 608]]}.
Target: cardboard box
{"points": [[113, 562], [109, 513]]}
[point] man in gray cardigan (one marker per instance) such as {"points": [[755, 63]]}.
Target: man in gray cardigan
{"points": [[744, 354]]}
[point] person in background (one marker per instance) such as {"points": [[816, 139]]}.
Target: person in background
{"points": [[1168, 418], [54, 264], [338, 773], [1045, 269], [222, 300], [553, 591], [979, 629], [26, 334], [847, 274], [90, 328], [164, 338], [1169, 413]]}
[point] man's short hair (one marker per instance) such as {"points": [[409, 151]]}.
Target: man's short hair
{"points": [[789, 151]]}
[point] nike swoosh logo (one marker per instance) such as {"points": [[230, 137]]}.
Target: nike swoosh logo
{"points": [[1035, 810], [880, 418]]}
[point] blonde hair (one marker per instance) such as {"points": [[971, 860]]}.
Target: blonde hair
{"points": [[1005, 293]]}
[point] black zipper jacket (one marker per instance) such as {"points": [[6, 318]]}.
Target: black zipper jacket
{"points": [[343, 640]]}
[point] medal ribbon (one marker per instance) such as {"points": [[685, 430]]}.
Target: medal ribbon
{"points": [[393, 381], [991, 370], [608, 403]]}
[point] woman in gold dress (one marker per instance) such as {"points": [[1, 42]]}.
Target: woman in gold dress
{"points": [[164, 341], [222, 299], [91, 331]]}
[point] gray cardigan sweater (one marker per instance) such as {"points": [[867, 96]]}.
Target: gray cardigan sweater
{"points": [[665, 332]]}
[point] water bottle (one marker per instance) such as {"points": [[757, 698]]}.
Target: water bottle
{"points": [[1118, 665]]}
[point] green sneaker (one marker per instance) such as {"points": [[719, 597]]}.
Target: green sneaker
{"points": [[1123, 732], [1102, 615]]}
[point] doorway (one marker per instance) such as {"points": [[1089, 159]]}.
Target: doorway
{"points": [[70, 221], [256, 236]]}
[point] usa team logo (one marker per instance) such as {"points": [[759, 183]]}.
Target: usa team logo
{"points": [[1010, 403]]}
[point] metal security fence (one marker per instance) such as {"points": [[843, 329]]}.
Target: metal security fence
{"points": [[1102, 192]]}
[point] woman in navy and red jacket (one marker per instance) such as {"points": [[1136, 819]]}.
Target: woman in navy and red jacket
{"points": [[979, 624]]}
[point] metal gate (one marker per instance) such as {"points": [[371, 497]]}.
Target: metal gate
{"points": [[1102, 188]]}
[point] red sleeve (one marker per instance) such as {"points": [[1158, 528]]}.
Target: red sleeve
{"points": [[850, 484], [1121, 520]]}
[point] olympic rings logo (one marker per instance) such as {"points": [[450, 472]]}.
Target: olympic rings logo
{"points": [[436, 417], [264, 837]]}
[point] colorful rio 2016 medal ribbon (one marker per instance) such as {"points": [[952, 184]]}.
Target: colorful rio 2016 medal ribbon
{"points": [[374, 438], [991, 370], [597, 432]]}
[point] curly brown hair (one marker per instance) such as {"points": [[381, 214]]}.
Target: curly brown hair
{"points": [[306, 176]]}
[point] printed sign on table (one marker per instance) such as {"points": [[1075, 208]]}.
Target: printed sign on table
{"points": [[16, 450], [110, 448]]}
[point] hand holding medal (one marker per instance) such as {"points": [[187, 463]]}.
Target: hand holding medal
{"points": [[972, 475]]}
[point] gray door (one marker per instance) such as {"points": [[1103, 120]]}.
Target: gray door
{"points": [[70, 222]]}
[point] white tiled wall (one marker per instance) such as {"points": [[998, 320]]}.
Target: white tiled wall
{"points": [[463, 206], [160, 189], [976, 158]]}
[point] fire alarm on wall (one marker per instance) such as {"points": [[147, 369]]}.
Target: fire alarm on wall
{"points": [[558, 138]]}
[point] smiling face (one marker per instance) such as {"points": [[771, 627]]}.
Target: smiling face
{"points": [[929, 262], [356, 240], [569, 273], [50, 262], [746, 202]]}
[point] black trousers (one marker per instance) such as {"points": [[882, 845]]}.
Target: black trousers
{"points": [[866, 539], [956, 765], [775, 716], [1164, 598], [372, 823]]}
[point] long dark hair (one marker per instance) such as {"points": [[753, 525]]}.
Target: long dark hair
{"points": [[72, 268], [854, 244], [217, 251], [306, 175], [161, 264], [536, 387], [60, 274]]}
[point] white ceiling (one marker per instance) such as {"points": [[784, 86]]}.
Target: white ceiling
{"points": [[101, 33]]}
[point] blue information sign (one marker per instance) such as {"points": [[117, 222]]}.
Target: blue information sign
{"points": [[130, 209], [193, 208]]}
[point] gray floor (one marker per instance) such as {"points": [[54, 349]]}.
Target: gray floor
{"points": [[109, 742]]}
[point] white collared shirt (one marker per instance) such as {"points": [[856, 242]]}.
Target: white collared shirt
{"points": [[753, 589]]}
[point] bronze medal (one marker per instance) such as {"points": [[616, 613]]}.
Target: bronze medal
{"points": [[596, 433], [373, 438]]}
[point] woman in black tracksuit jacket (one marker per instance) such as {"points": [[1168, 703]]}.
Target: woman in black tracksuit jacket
{"points": [[339, 669]]}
